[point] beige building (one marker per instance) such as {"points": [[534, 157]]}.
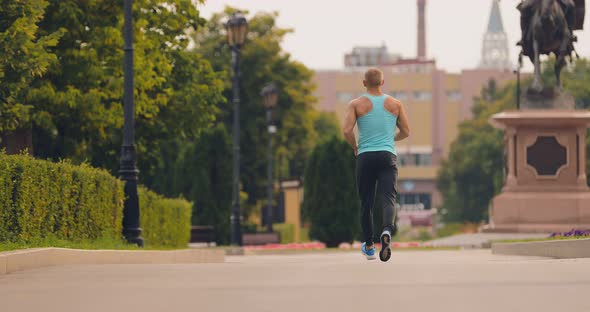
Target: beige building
{"points": [[436, 103]]}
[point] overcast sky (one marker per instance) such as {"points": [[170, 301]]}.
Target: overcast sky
{"points": [[326, 29]]}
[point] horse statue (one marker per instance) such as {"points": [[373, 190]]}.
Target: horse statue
{"points": [[547, 27]]}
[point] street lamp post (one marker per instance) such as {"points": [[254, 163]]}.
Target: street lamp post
{"points": [[237, 28], [128, 169], [270, 96]]}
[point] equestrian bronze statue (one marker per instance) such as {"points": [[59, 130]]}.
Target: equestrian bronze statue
{"points": [[547, 27]]}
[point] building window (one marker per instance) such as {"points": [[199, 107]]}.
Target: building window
{"points": [[415, 159], [415, 201], [405, 159], [454, 96], [400, 95], [344, 97], [422, 160], [422, 96]]}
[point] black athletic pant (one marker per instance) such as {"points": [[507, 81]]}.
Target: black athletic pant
{"points": [[376, 168]]}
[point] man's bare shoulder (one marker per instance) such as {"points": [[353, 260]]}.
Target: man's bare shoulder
{"points": [[359, 101], [392, 100], [393, 105]]}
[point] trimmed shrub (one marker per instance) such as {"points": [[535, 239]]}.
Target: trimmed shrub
{"points": [[287, 232], [331, 202], [304, 235], [165, 222], [40, 199]]}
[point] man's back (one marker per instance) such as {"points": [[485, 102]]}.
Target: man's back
{"points": [[363, 105], [376, 121]]}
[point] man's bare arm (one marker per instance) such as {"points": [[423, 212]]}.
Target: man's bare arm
{"points": [[348, 127], [402, 124]]}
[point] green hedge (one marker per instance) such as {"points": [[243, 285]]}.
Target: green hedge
{"points": [[165, 222], [41, 199], [304, 235], [287, 232]]}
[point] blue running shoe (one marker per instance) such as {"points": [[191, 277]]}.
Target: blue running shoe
{"points": [[370, 254]]}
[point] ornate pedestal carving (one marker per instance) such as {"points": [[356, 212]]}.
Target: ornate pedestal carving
{"points": [[545, 188]]}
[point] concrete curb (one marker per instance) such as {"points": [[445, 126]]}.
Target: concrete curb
{"points": [[560, 249], [234, 251], [2, 265], [28, 259]]}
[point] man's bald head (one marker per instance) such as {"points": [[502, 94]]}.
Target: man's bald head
{"points": [[373, 78]]}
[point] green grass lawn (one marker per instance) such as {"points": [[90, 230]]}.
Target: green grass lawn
{"points": [[558, 238]]}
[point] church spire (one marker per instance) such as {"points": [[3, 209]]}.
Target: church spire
{"points": [[495, 24], [495, 53]]}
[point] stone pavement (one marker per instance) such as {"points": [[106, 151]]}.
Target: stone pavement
{"points": [[454, 281]]}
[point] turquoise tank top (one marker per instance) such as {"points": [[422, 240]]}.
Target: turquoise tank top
{"points": [[377, 128]]}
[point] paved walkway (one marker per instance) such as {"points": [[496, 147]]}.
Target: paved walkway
{"points": [[454, 281]]}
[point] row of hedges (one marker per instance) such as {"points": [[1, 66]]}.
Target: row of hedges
{"points": [[40, 199], [165, 222], [286, 231]]}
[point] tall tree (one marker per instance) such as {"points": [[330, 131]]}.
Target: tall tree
{"points": [[263, 61], [26, 55], [327, 127], [202, 175], [575, 79], [331, 202], [78, 104], [474, 170]]}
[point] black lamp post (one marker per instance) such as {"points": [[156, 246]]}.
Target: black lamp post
{"points": [[128, 170], [270, 95], [237, 29]]}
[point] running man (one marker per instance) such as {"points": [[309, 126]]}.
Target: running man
{"points": [[377, 115]]}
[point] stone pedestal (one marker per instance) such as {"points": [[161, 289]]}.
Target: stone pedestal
{"points": [[545, 188]]}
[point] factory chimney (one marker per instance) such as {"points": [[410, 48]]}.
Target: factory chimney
{"points": [[421, 29]]}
